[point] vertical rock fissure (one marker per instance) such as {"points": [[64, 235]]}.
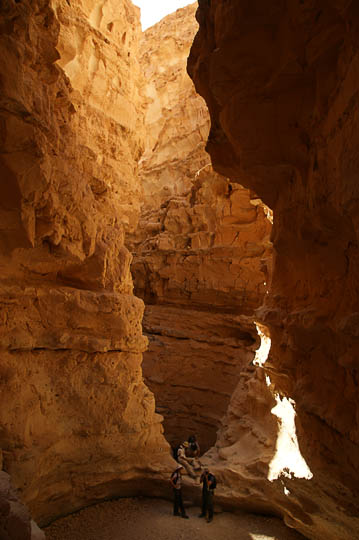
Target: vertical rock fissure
{"points": [[202, 250]]}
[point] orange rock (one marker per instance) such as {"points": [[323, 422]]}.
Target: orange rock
{"points": [[77, 423], [201, 249], [280, 80]]}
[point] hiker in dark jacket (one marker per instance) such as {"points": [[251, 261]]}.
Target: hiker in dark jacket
{"points": [[194, 449], [176, 483], [209, 483]]}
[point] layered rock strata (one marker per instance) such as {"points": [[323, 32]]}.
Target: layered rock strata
{"points": [[193, 365], [201, 251], [77, 424], [281, 83]]}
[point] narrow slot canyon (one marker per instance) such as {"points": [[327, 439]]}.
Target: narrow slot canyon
{"points": [[179, 255], [202, 250]]}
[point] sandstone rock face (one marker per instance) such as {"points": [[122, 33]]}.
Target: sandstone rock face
{"points": [[281, 83], [176, 118], [77, 423], [193, 365], [201, 251]]}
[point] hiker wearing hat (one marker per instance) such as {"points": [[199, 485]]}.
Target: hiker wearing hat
{"points": [[187, 462], [209, 484], [176, 483]]}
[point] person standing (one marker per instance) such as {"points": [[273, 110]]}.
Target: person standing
{"points": [[209, 484], [176, 483]]}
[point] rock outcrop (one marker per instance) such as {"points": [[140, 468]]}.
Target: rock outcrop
{"points": [[77, 423], [281, 83], [201, 251]]}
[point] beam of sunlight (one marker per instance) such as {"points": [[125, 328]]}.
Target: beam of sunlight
{"points": [[268, 212], [261, 537], [287, 461], [263, 351]]}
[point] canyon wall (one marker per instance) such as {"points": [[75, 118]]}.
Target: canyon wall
{"points": [[201, 251], [77, 423], [281, 83]]}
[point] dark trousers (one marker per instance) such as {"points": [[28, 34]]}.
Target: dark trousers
{"points": [[177, 502], [207, 503]]}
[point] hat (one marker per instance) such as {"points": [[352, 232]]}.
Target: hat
{"points": [[179, 467], [186, 444]]}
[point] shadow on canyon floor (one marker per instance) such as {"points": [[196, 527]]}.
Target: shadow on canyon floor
{"points": [[151, 519]]}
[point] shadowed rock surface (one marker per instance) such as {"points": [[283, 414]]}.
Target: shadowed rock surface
{"points": [[281, 83], [15, 520]]}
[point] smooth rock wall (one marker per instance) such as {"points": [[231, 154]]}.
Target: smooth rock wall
{"points": [[281, 82]]}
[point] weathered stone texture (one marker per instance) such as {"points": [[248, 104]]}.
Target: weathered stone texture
{"points": [[201, 278], [210, 248], [176, 118], [201, 251], [281, 83], [193, 365], [76, 421]]}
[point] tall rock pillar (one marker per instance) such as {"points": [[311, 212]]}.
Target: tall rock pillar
{"points": [[77, 424]]}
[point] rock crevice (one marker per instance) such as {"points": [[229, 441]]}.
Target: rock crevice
{"points": [[202, 252]]}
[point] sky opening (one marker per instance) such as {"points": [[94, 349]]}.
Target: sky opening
{"points": [[153, 11]]}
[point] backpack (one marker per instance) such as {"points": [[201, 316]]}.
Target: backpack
{"points": [[174, 477], [193, 446], [175, 451], [213, 480]]}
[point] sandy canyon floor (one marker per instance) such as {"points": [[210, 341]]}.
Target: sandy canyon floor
{"points": [[152, 519]]}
